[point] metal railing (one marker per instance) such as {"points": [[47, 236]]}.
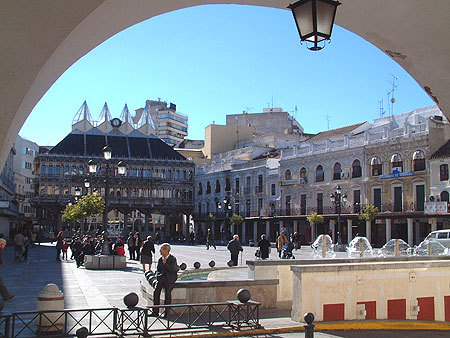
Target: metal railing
{"points": [[107, 322]]}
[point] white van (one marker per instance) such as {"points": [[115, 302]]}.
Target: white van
{"points": [[441, 236]]}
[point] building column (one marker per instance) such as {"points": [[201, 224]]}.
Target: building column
{"points": [[369, 231], [146, 225], [243, 225], [434, 224], [417, 231], [125, 223], [410, 231], [332, 228], [313, 232], [255, 232], [268, 230], [349, 230], [296, 226], [281, 226], [388, 229]]}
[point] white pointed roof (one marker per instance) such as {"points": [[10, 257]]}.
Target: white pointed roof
{"points": [[105, 115], [127, 122], [83, 119], [145, 124], [103, 122]]}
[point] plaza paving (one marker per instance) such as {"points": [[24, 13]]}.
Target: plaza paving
{"points": [[105, 288], [97, 288]]}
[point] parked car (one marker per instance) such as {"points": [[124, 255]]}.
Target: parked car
{"points": [[441, 236]]}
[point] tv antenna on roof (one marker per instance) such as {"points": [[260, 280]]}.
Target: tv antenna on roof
{"points": [[391, 94], [328, 121], [382, 111]]}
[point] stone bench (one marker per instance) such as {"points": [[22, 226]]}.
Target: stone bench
{"points": [[105, 262]]}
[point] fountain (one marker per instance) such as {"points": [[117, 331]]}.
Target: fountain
{"points": [[359, 247], [395, 247], [430, 248], [323, 247]]}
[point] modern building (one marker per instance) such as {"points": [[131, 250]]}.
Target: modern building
{"points": [[9, 208], [26, 151], [171, 126], [271, 120], [154, 194], [242, 177]]}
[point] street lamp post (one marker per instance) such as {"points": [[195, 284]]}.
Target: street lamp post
{"points": [[226, 210], [337, 198], [121, 169]]}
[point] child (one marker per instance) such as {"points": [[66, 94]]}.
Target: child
{"points": [[64, 249]]}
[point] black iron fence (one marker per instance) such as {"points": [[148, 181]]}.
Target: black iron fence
{"points": [[137, 321]]}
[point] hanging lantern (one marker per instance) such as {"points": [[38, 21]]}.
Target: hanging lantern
{"points": [[314, 19]]}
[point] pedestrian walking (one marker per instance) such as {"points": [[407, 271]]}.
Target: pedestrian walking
{"points": [[235, 247], [281, 241], [19, 241], [192, 238], [3, 290], [264, 247], [166, 275], [131, 242], [59, 245], [158, 238], [296, 240], [147, 252], [210, 240], [138, 245]]}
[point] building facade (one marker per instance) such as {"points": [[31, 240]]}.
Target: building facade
{"points": [[26, 151], [154, 194], [384, 163], [9, 208], [171, 126]]}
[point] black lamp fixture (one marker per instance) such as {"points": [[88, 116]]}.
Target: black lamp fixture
{"points": [[337, 198], [314, 19]]}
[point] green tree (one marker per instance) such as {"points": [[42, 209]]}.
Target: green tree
{"points": [[236, 219], [87, 206], [315, 218], [368, 213]]}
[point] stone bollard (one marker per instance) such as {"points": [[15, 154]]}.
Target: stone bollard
{"points": [[430, 248], [50, 298], [324, 247]]}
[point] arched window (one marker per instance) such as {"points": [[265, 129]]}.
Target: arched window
{"points": [[303, 174], [319, 174], [396, 163], [337, 171], [227, 184], [356, 169], [444, 196], [208, 187], [377, 167], [287, 175], [200, 188], [418, 160], [217, 186]]}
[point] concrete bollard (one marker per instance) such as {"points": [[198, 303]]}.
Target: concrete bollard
{"points": [[50, 298], [324, 247], [397, 248], [429, 248]]}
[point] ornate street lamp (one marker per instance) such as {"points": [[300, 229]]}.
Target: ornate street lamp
{"points": [[121, 168], [337, 198], [314, 19]]}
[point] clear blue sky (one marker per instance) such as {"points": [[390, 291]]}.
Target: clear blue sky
{"points": [[222, 59]]}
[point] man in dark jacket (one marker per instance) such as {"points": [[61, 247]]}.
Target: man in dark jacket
{"points": [[264, 247], [166, 274], [131, 242], [234, 246]]}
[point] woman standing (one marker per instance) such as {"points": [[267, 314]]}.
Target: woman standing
{"points": [[59, 245], [148, 249], [138, 244]]}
